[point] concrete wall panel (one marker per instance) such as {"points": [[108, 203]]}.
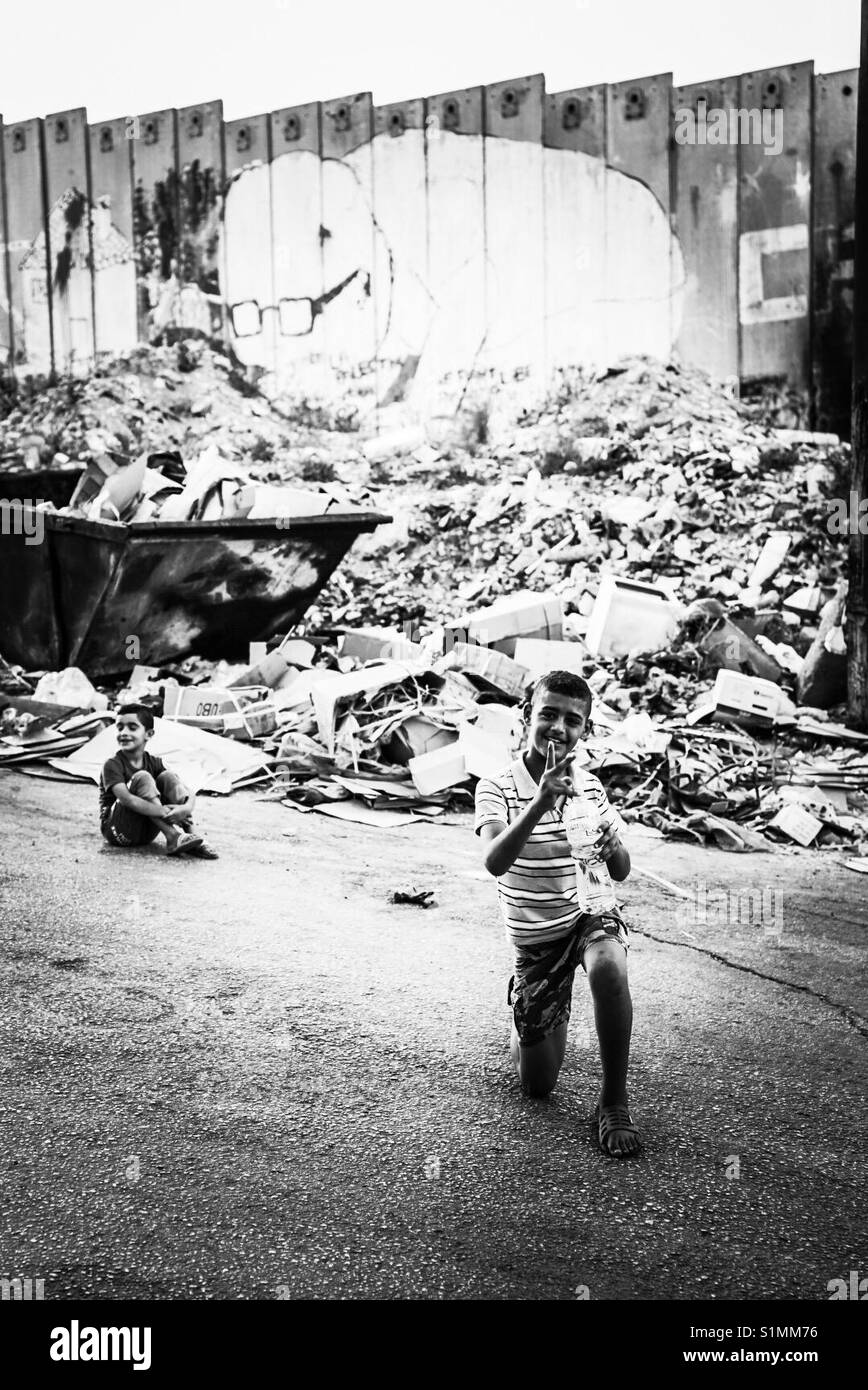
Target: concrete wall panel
{"points": [[29, 250], [705, 214], [637, 131], [576, 120], [637, 144], [67, 185], [349, 240], [774, 225], [246, 236], [456, 238], [156, 219], [514, 225], [402, 301], [575, 258], [200, 200], [114, 276], [297, 230], [834, 183]]}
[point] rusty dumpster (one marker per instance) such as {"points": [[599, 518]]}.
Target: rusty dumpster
{"points": [[101, 595], [55, 485]]}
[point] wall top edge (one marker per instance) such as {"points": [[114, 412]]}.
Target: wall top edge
{"points": [[346, 96], [644, 77], [808, 63], [73, 111]]}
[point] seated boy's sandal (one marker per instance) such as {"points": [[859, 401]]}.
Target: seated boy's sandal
{"points": [[205, 851], [185, 845]]}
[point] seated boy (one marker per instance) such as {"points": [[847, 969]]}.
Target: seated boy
{"points": [[139, 798], [560, 913]]}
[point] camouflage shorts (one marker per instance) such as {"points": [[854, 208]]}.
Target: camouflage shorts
{"points": [[541, 990]]}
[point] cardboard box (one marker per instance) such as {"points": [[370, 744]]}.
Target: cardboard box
{"points": [[328, 693], [235, 713], [524, 614], [628, 617], [479, 663], [798, 824], [416, 736], [434, 772]]}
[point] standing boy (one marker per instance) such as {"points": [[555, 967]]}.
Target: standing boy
{"points": [[558, 913], [139, 798]]}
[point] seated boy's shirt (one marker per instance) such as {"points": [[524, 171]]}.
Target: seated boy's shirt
{"points": [[545, 891], [119, 769]]}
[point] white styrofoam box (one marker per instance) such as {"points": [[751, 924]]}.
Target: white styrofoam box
{"points": [[629, 617], [434, 772], [540, 656], [747, 694]]}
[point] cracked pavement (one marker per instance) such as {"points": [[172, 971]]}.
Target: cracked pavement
{"points": [[258, 1079]]}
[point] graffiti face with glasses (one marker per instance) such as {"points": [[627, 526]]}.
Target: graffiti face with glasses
{"points": [[295, 316]]}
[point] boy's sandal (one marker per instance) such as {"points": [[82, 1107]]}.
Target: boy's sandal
{"points": [[609, 1118], [205, 851], [185, 844]]}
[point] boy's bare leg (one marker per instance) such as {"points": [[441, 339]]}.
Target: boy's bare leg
{"points": [[173, 793], [142, 784], [606, 966], [538, 1064]]}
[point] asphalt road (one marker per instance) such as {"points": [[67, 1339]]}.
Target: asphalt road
{"points": [[256, 1078]]}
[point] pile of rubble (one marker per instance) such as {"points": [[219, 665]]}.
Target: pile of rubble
{"points": [[646, 470], [181, 398]]}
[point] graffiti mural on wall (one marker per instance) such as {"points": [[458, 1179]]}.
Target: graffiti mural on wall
{"points": [[618, 299], [176, 224], [82, 241]]}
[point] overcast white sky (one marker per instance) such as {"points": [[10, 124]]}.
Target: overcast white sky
{"points": [[120, 57]]}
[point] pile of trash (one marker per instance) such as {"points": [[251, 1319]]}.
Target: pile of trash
{"points": [[162, 487], [636, 525], [383, 731]]}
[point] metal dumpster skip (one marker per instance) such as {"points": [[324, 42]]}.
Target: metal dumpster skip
{"points": [[40, 485], [101, 595]]}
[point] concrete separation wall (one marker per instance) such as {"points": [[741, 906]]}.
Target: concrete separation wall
{"points": [[391, 251]]}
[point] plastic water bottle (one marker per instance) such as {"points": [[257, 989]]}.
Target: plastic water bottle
{"points": [[583, 827]]}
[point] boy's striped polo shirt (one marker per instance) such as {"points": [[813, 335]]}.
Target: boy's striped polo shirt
{"points": [[545, 891]]}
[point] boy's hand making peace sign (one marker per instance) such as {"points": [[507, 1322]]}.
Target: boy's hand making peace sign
{"points": [[556, 780]]}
